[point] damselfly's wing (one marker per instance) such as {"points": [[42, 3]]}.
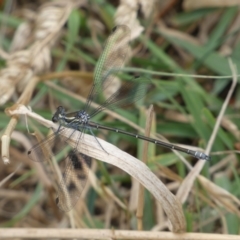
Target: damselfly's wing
{"points": [[52, 145], [114, 55], [42, 151], [109, 65], [73, 181], [77, 165], [130, 92]]}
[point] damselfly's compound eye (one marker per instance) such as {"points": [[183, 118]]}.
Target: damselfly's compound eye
{"points": [[61, 110], [55, 118], [58, 114]]}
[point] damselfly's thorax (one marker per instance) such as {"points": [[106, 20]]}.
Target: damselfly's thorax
{"points": [[76, 118], [83, 117]]}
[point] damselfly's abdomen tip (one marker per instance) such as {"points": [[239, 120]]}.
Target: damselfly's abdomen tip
{"points": [[207, 158], [203, 156]]}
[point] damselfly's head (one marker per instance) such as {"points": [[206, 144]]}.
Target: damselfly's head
{"points": [[59, 114]]}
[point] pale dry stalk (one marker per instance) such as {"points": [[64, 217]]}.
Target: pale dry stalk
{"points": [[47, 233]]}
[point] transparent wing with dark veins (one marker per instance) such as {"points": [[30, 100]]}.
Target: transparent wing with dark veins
{"points": [[129, 93], [77, 165], [43, 150], [113, 57], [73, 181]]}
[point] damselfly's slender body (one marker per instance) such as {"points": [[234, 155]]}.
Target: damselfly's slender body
{"points": [[75, 175]]}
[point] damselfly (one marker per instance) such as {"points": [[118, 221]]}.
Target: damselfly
{"points": [[113, 57]]}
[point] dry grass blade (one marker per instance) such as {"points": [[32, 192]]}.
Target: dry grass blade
{"points": [[129, 164]]}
